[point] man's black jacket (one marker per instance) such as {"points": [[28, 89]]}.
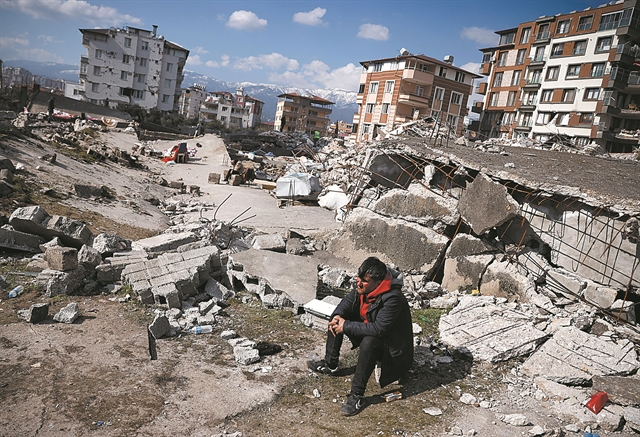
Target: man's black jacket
{"points": [[389, 319]]}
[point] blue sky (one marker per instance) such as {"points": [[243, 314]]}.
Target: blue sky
{"points": [[312, 44]]}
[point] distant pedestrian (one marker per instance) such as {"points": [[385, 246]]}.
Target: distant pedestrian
{"points": [[51, 106]]}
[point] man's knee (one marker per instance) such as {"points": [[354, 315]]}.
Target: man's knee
{"points": [[370, 343]]}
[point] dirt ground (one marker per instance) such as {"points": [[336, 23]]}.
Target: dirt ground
{"points": [[94, 377]]}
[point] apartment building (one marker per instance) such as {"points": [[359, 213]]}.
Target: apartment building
{"points": [[341, 129], [296, 113], [234, 110], [132, 66], [569, 77], [190, 100], [406, 87]]}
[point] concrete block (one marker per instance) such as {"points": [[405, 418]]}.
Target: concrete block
{"points": [[16, 240], [54, 282], [163, 242], [602, 297], [463, 273], [485, 204], [62, 258], [179, 185], [573, 357], [466, 245], [68, 314], [214, 178], [31, 220], [89, 257], [87, 191], [72, 233], [294, 246], [273, 242], [501, 279], [159, 327], [168, 295], [35, 313], [108, 244], [565, 284], [245, 355], [217, 291], [625, 310], [235, 180]]}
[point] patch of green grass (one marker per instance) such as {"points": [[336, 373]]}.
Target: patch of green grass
{"points": [[428, 319]]}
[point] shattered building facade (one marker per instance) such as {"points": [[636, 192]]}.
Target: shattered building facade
{"points": [[403, 88], [237, 110], [296, 113], [132, 66], [190, 100], [573, 75]]}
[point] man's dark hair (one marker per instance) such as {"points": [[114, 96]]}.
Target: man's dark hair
{"points": [[376, 269]]}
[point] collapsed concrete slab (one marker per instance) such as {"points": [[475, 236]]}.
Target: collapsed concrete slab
{"points": [[111, 270], [16, 240], [163, 242], [35, 220], [467, 245], [172, 277], [464, 273], [502, 279], [573, 357], [273, 242], [407, 245], [54, 282], [109, 244], [36, 313], [490, 332], [486, 204], [289, 279]]}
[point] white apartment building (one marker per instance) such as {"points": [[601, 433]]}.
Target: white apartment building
{"points": [[132, 66], [233, 110], [190, 100], [74, 90]]}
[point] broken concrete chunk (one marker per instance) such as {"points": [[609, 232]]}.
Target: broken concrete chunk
{"points": [[67, 314], [228, 334], [625, 310], [573, 357], [246, 355], [159, 327], [89, 257], [501, 279], [294, 246], [217, 291], [273, 242], [54, 282], [516, 420], [62, 258], [466, 245], [601, 297], [464, 273], [36, 313], [72, 233], [163, 242], [107, 244], [485, 204], [16, 240]]}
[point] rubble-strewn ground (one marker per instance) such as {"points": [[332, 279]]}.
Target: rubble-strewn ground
{"points": [[94, 376]]}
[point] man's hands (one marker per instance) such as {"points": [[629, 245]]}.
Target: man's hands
{"points": [[336, 325]]}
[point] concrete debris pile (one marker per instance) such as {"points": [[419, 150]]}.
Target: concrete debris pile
{"points": [[427, 128]]}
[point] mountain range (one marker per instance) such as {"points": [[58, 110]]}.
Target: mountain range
{"points": [[344, 108]]}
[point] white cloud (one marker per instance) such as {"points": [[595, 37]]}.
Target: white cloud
{"points": [[194, 60], [5, 41], [245, 20], [373, 31], [201, 50], [273, 61], [311, 18], [479, 34], [215, 64], [47, 39], [225, 60], [473, 67], [317, 74], [70, 9]]}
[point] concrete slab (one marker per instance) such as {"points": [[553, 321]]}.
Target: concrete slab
{"points": [[620, 390], [265, 272], [490, 332], [501, 279], [54, 282], [163, 242], [466, 245], [463, 273], [573, 357], [16, 240], [62, 258], [273, 242]]}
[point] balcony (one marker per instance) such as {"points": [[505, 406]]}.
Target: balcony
{"points": [[529, 103], [477, 107], [485, 69], [417, 76], [524, 124], [543, 37], [482, 88], [535, 82], [538, 60], [414, 100]]}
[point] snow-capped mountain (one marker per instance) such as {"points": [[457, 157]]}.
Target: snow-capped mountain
{"points": [[344, 108]]}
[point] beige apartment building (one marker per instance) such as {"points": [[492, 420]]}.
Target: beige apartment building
{"points": [[407, 87], [571, 77], [296, 113]]}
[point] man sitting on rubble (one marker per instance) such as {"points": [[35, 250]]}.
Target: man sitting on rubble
{"points": [[376, 318], [236, 168]]}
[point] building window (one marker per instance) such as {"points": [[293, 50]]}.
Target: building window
{"points": [[369, 108], [459, 77], [582, 141], [127, 42], [138, 94], [579, 48], [543, 32], [377, 66], [573, 70], [502, 59], [508, 38], [493, 100], [143, 62], [547, 96], [419, 90], [597, 70], [438, 94], [167, 83], [591, 93], [552, 73], [543, 118], [165, 98], [610, 21], [435, 114], [442, 72], [557, 49], [388, 86], [568, 95], [585, 22], [142, 78], [486, 58], [452, 120], [534, 76], [124, 75], [515, 79], [361, 89], [385, 108], [563, 26], [95, 87], [522, 54], [373, 88], [508, 118], [586, 118], [96, 70], [98, 54], [144, 45], [497, 79], [511, 98], [525, 35], [604, 44], [169, 67], [366, 128], [456, 98], [126, 59]]}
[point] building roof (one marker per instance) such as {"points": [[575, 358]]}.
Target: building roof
{"points": [[424, 58], [173, 45], [312, 98], [102, 31]]}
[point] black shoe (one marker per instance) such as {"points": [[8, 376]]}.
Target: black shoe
{"points": [[354, 405], [321, 366]]}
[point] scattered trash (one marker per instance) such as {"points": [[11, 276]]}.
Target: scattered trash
{"points": [[390, 397], [316, 393], [597, 402], [204, 329], [16, 291]]}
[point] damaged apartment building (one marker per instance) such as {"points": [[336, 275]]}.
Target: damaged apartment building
{"points": [[571, 77], [132, 66], [406, 87]]}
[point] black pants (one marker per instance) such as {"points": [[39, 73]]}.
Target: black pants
{"points": [[370, 351]]}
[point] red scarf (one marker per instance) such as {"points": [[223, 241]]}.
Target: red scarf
{"points": [[368, 299]]}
